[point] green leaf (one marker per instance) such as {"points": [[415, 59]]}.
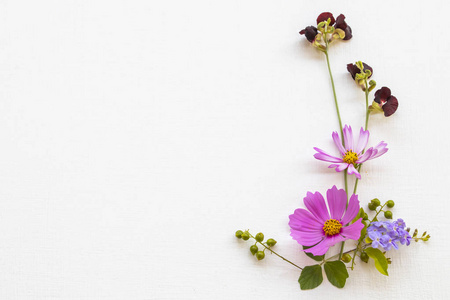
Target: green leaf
{"points": [[359, 215], [336, 273], [364, 230], [380, 260], [316, 258], [311, 277]]}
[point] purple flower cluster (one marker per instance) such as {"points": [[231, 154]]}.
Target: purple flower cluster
{"points": [[387, 234]]}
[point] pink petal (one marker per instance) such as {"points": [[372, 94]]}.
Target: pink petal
{"points": [[348, 137], [333, 240], [351, 170], [316, 205], [307, 238], [339, 167], [337, 200], [381, 148], [323, 246], [302, 219], [362, 141], [353, 231], [322, 155], [379, 153], [366, 156], [338, 142], [352, 210], [319, 249]]}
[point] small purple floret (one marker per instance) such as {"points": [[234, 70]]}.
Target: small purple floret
{"points": [[386, 235]]}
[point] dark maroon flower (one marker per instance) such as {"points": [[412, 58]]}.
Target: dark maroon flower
{"points": [[353, 69], [325, 16], [310, 33], [341, 24], [386, 101]]}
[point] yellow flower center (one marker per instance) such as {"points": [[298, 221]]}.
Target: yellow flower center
{"points": [[350, 157], [332, 227]]}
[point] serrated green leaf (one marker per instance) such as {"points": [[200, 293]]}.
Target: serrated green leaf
{"points": [[311, 277], [316, 258], [336, 273], [380, 260]]}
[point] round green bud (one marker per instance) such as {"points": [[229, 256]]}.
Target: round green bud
{"points": [[239, 234], [346, 258], [271, 242], [390, 204], [253, 249], [372, 206], [245, 236], [375, 202], [388, 214], [364, 257], [366, 217], [260, 255], [259, 237]]}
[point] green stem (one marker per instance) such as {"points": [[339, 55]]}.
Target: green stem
{"points": [[340, 124], [367, 103], [286, 260], [349, 251], [365, 128], [360, 240], [334, 91]]}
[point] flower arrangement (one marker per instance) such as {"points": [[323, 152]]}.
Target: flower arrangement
{"points": [[341, 218]]}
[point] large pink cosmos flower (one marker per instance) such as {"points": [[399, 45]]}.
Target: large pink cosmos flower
{"points": [[352, 154], [322, 229]]}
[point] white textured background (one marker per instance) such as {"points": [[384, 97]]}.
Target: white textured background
{"points": [[137, 136]]}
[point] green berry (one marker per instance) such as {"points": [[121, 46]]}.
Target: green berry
{"points": [[239, 234], [259, 237], [376, 202], [346, 258], [253, 249], [364, 257], [260, 255], [271, 242], [372, 206], [366, 217], [245, 236], [388, 214], [390, 204]]}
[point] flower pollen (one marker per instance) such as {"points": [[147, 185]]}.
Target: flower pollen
{"points": [[350, 157], [332, 227]]}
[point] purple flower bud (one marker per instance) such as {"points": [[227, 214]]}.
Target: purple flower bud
{"points": [[341, 24], [325, 16], [387, 102], [310, 33]]}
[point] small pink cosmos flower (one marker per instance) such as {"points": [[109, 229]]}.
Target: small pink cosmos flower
{"points": [[352, 154], [322, 228]]}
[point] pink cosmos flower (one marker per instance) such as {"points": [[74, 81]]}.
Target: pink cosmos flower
{"points": [[321, 228], [352, 154]]}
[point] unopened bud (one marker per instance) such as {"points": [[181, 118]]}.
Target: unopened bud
{"points": [[253, 249], [388, 214], [346, 258], [364, 257], [260, 255], [239, 234], [375, 202], [372, 206], [259, 237], [271, 242]]}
